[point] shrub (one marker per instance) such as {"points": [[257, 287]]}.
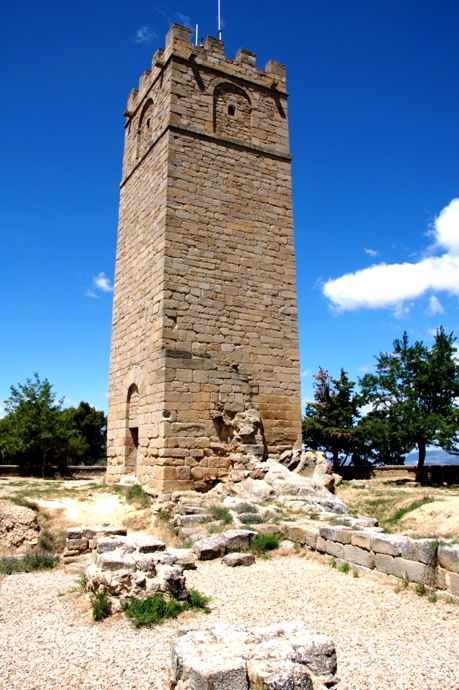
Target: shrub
{"points": [[344, 568], [28, 563], [196, 600], [420, 589], [221, 513], [433, 597], [135, 494], [156, 609], [100, 603], [264, 542]]}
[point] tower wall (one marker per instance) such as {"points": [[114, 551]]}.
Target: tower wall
{"points": [[204, 320]]}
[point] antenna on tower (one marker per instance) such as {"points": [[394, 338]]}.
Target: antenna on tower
{"points": [[219, 21], [196, 36]]}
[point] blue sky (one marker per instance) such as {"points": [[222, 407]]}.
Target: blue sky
{"points": [[374, 112]]}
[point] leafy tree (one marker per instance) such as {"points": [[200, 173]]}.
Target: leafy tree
{"points": [[330, 421], [415, 390], [37, 431], [87, 441]]}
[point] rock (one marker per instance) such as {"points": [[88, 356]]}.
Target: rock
{"points": [[185, 557], [18, 528], [238, 538], [210, 547], [250, 518], [278, 657], [235, 559], [448, 557]]}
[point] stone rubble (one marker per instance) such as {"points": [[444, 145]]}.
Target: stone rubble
{"points": [[228, 657]]}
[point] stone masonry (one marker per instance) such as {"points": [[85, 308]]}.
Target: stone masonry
{"points": [[204, 317]]}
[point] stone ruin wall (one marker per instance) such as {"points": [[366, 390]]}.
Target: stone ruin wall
{"points": [[204, 320]]}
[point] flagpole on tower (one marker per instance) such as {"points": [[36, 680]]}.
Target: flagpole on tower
{"points": [[219, 21]]}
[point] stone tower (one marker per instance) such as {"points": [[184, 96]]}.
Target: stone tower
{"points": [[204, 357]]}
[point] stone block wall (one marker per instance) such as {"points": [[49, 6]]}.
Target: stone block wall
{"points": [[204, 316], [427, 561]]}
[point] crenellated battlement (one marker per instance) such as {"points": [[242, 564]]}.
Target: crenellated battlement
{"points": [[208, 55]]}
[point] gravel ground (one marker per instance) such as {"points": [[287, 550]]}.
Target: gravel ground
{"points": [[384, 639]]}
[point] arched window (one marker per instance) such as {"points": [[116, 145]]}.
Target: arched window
{"points": [[232, 112], [144, 130]]}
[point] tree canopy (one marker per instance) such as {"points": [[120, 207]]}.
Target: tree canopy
{"points": [[411, 401], [39, 433]]}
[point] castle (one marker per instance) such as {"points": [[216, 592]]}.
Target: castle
{"points": [[204, 358]]}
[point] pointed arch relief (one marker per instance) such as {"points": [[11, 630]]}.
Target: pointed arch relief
{"points": [[232, 112], [145, 128]]}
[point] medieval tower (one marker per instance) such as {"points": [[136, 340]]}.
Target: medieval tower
{"points": [[204, 357]]}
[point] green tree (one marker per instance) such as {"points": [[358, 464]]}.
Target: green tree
{"points": [[87, 439], [330, 421], [415, 390], [37, 430]]}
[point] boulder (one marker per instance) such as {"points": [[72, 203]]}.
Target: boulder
{"points": [[18, 528], [278, 657], [235, 559]]}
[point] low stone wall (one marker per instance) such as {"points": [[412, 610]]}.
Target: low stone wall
{"points": [[81, 540], [431, 474], [426, 561]]}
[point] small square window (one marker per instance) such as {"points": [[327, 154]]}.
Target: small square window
{"points": [[231, 110]]}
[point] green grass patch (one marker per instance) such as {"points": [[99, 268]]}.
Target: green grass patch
{"points": [[401, 512], [27, 563], [134, 494], [156, 609], [221, 514], [264, 542], [344, 568]]}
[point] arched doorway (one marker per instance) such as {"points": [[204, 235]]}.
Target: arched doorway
{"points": [[132, 431]]}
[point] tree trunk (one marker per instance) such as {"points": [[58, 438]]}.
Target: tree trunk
{"points": [[421, 460], [43, 464]]}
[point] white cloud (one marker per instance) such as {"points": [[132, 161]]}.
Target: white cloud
{"points": [[101, 282], [370, 252], [144, 35], [305, 373], [435, 306], [389, 285], [183, 19]]}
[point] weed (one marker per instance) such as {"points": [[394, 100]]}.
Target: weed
{"points": [[46, 540], [314, 516], [221, 513], [337, 521], [420, 589], [333, 563], [28, 563], [264, 542], [215, 529], [405, 581], [135, 494], [401, 512], [156, 609], [82, 582], [100, 603], [164, 514], [355, 573], [196, 600], [344, 568], [433, 597]]}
